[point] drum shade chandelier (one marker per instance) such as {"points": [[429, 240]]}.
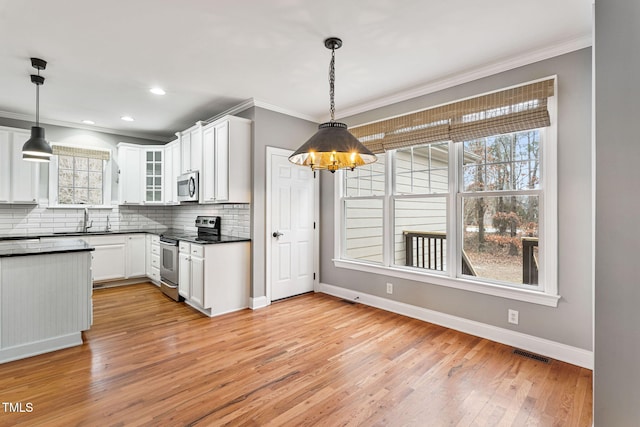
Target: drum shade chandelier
{"points": [[37, 149], [332, 147]]}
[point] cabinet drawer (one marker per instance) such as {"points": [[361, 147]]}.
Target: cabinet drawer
{"points": [[155, 274], [155, 249], [107, 240], [155, 261], [155, 239], [197, 250], [185, 247]]}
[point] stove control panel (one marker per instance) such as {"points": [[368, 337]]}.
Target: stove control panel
{"points": [[208, 222]]}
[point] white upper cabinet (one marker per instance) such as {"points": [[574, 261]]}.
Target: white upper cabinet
{"points": [[153, 159], [130, 178], [171, 171], [226, 171], [18, 178], [191, 149], [141, 174]]}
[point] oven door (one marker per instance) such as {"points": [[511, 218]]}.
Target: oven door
{"points": [[169, 263]]}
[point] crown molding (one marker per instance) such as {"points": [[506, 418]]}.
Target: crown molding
{"points": [[252, 102], [526, 58], [29, 118]]}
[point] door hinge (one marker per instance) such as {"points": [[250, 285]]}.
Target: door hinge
{"points": [[314, 174], [314, 276], [314, 225]]}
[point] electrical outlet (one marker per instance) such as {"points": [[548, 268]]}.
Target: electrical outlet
{"points": [[389, 288], [513, 316]]}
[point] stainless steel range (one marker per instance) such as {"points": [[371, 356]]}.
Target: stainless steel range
{"points": [[169, 266], [208, 230]]}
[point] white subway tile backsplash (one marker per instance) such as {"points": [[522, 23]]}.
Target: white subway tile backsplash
{"points": [[20, 220]]}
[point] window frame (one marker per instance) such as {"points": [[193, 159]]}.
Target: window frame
{"points": [[547, 291], [106, 183]]}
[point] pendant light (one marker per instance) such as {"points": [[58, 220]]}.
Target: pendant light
{"points": [[37, 149], [332, 147]]}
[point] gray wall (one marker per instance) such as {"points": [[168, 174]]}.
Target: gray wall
{"points": [[571, 322], [617, 287], [270, 129], [81, 137]]}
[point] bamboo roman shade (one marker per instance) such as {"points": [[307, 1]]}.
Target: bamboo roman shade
{"points": [[510, 110], [64, 150]]}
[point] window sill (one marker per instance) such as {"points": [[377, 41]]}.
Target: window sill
{"points": [[534, 297]]}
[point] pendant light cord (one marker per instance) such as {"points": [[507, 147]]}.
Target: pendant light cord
{"points": [[332, 81], [38, 102]]}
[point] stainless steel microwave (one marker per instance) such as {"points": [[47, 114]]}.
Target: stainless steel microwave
{"points": [[188, 187]]}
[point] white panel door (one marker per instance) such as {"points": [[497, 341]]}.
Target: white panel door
{"points": [[292, 234]]}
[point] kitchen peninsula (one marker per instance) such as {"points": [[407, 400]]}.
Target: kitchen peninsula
{"points": [[45, 296]]}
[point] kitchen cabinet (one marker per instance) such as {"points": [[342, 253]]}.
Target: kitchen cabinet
{"points": [[109, 257], [171, 171], [226, 171], [191, 273], [135, 256], [130, 174], [141, 172], [18, 178], [191, 149], [152, 261], [116, 256], [215, 278], [153, 174]]}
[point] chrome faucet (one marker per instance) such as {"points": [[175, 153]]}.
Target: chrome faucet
{"points": [[86, 225]]}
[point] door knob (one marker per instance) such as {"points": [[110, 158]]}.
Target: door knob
{"points": [[277, 234]]}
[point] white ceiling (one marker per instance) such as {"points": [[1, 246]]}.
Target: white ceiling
{"points": [[212, 55]]}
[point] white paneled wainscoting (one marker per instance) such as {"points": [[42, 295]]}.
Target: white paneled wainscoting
{"points": [[47, 313], [31, 220]]}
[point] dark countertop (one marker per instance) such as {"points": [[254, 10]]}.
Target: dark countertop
{"points": [[18, 248], [191, 237], [177, 234]]}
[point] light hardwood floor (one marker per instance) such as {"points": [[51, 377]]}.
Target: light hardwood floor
{"points": [[309, 360]]}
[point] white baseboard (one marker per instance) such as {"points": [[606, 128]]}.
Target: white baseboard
{"points": [[40, 347], [259, 302], [552, 349]]}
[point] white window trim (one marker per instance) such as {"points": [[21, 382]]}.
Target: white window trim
{"points": [[106, 179], [547, 294]]}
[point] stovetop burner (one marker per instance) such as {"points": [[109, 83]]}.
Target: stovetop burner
{"points": [[208, 231]]}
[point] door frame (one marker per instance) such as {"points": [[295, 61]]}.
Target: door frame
{"points": [[275, 151]]}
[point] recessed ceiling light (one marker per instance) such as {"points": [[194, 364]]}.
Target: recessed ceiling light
{"points": [[127, 118], [157, 91], [88, 122]]}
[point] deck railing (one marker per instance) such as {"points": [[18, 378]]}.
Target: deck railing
{"points": [[427, 250], [530, 260]]}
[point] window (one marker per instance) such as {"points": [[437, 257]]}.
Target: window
{"points": [[79, 176], [364, 188], [464, 204]]}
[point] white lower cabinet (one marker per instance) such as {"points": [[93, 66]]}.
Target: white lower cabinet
{"points": [[152, 261], [135, 256], [191, 273], [215, 278], [108, 262]]}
